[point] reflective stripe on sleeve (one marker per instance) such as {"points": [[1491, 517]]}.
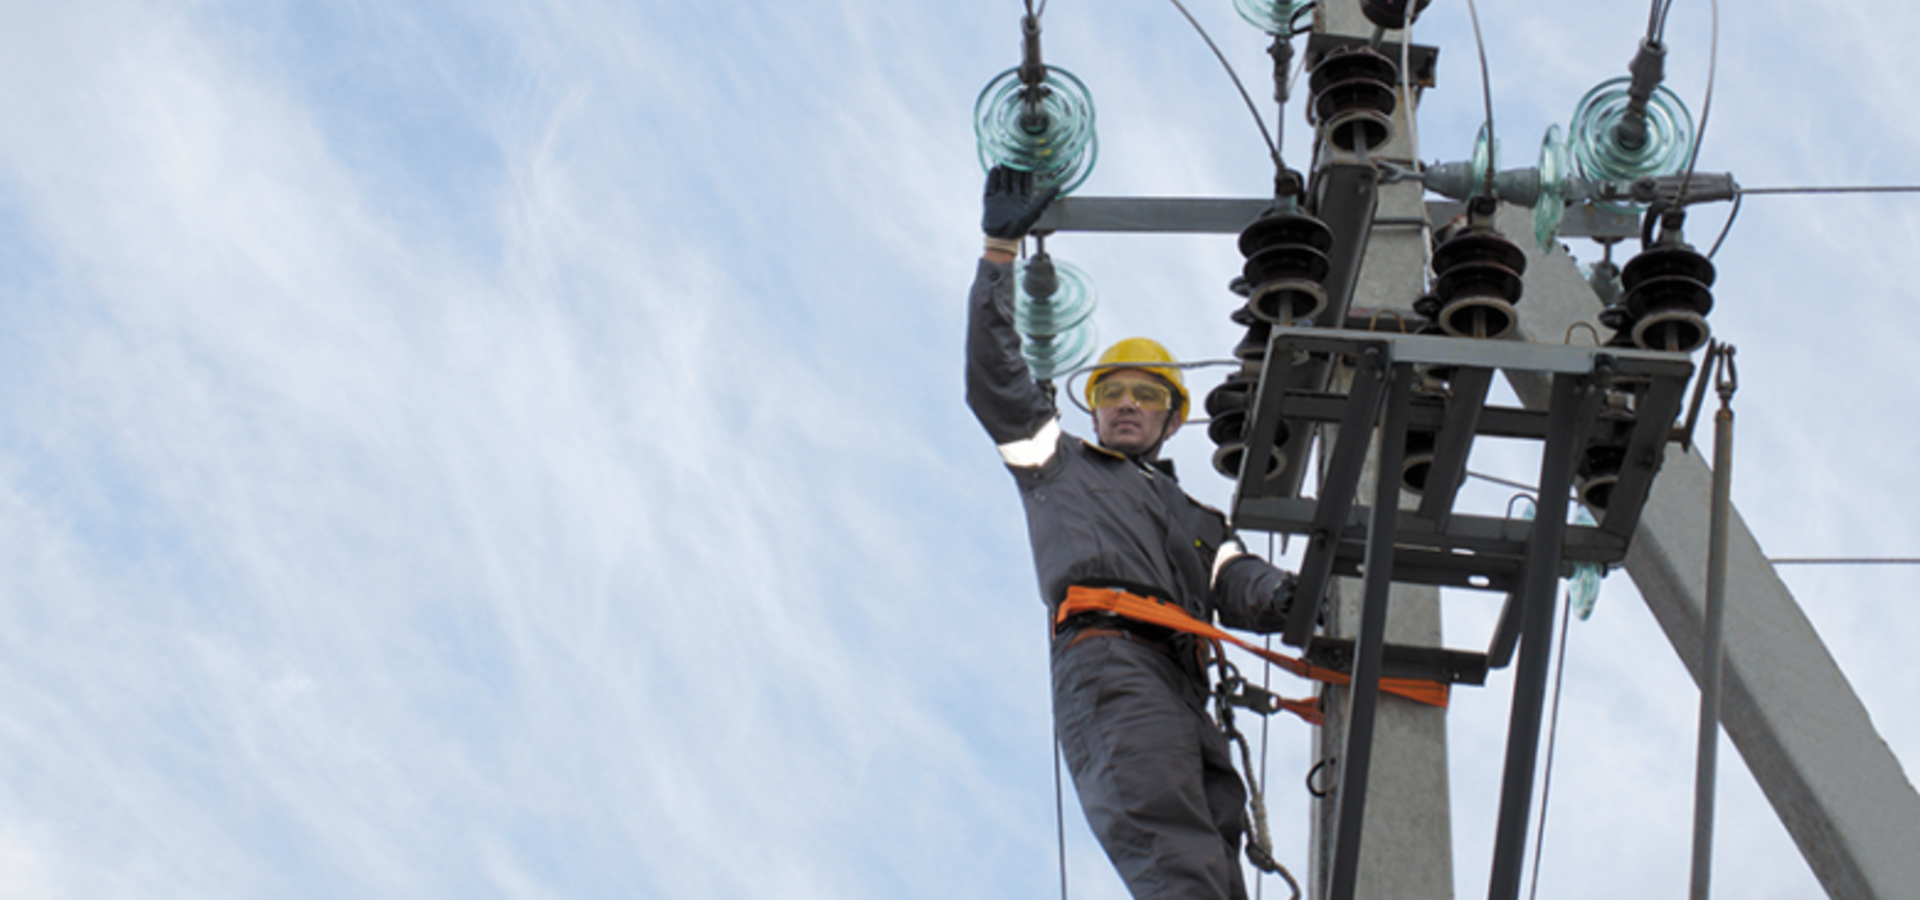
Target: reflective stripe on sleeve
{"points": [[1035, 451], [1228, 552]]}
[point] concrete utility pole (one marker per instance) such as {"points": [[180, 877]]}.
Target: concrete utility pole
{"points": [[1406, 845], [1797, 723]]}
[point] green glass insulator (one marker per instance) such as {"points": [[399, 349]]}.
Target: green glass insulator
{"points": [[1551, 206], [1056, 330], [1047, 130], [1602, 152], [1271, 16]]}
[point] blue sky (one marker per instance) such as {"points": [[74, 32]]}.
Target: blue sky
{"points": [[518, 449]]}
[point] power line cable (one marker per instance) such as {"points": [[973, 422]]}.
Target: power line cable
{"points": [[1272, 148], [1706, 105], [1731, 215], [1847, 561], [1503, 482], [1809, 190], [1266, 684], [1486, 84], [1813, 189], [1413, 130], [1553, 734], [1059, 810]]}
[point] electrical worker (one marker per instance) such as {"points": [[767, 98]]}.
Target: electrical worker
{"points": [[1152, 769]]}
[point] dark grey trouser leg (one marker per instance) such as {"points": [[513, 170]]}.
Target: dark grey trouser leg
{"points": [[1153, 772]]}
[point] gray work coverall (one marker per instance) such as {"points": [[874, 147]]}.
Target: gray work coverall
{"points": [[1151, 768]]}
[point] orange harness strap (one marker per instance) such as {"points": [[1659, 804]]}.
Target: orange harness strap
{"points": [[1166, 615]]}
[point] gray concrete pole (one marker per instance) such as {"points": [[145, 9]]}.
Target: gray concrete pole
{"points": [[1797, 723], [1407, 841]]}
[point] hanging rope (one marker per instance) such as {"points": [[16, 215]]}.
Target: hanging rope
{"points": [[1228, 693]]}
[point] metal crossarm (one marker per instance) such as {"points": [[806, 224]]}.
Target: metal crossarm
{"points": [[1436, 544], [1344, 466], [1450, 447], [1489, 547]]}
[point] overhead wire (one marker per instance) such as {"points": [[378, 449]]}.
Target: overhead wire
{"points": [[1848, 561], [1059, 793], [1553, 733], [1266, 684], [1486, 84], [1666, 9], [1724, 229], [1413, 133], [1740, 193], [1059, 813], [1502, 482], [1857, 189], [1706, 104], [1272, 147]]}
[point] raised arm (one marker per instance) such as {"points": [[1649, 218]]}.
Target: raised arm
{"points": [[1000, 388]]}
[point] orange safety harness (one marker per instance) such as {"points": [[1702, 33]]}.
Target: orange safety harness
{"points": [[1166, 615]]}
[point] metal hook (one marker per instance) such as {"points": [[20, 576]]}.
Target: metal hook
{"points": [[1726, 375], [1316, 790], [1568, 339], [1373, 321]]}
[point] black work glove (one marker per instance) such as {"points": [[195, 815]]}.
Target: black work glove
{"points": [[1010, 208]]}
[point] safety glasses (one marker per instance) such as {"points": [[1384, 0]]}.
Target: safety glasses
{"points": [[1148, 395]]}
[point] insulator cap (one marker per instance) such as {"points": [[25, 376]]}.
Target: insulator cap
{"points": [[1286, 264], [1353, 97], [1477, 279], [1599, 471], [1668, 293], [1418, 460], [1228, 457], [1390, 14]]}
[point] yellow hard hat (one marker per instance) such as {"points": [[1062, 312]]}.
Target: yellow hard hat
{"points": [[1147, 355]]}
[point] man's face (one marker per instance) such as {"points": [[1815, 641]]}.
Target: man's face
{"points": [[1126, 414]]}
